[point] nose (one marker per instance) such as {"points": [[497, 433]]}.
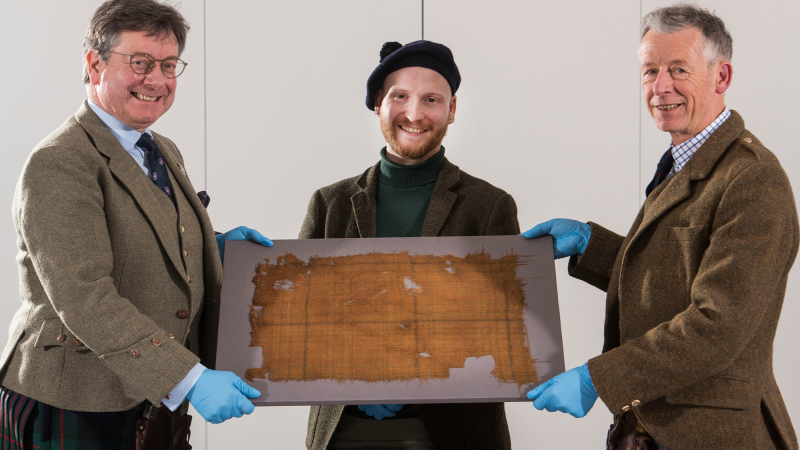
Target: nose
{"points": [[155, 78], [414, 112], [663, 84]]}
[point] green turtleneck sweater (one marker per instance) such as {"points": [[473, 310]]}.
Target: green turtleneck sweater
{"points": [[404, 193]]}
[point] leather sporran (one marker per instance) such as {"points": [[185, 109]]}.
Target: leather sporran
{"points": [[623, 435], [162, 429]]}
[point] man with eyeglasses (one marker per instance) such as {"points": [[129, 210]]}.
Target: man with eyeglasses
{"points": [[120, 269]]}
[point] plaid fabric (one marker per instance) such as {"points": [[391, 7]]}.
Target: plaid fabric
{"points": [[29, 424], [684, 151]]}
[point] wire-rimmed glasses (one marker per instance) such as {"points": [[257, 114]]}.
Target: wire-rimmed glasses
{"points": [[142, 63]]}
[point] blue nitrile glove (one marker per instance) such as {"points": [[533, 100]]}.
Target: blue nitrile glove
{"points": [[240, 234], [571, 392], [218, 396], [380, 411], [569, 236]]}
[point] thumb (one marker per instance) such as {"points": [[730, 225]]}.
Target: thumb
{"points": [[536, 392], [256, 237], [245, 406], [245, 389], [539, 230]]}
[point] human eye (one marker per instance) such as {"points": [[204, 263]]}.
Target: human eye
{"points": [[679, 73], [649, 74]]}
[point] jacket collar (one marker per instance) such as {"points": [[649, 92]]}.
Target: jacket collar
{"points": [[442, 200], [130, 175]]}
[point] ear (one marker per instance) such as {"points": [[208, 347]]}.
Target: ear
{"points": [[95, 66], [724, 75], [453, 107]]}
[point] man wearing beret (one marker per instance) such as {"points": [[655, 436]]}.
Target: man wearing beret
{"points": [[695, 289], [120, 270], [412, 191]]}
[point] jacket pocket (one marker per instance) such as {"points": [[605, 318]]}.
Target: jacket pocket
{"points": [[719, 391], [51, 331]]}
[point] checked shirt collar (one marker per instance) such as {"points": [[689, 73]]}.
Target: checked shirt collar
{"points": [[684, 151]]}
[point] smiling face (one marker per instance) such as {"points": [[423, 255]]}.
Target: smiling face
{"points": [[416, 104], [683, 93], [134, 99]]}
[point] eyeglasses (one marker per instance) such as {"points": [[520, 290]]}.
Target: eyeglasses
{"points": [[143, 64]]}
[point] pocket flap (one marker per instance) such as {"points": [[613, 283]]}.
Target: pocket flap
{"points": [[49, 333], [719, 391]]}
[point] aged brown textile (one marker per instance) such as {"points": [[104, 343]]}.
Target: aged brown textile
{"points": [[389, 317]]}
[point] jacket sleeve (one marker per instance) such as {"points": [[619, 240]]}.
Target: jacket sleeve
{"points": [[314, 223], [741, 276], [61, 226], [594, 266], [503, 217]]}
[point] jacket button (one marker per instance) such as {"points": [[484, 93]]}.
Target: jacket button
{"points": [[636, 403], [747, 139], [183, 313], [182, 229], [135, 353], [77, 342], [170, 335], [626, 408], [61, 337], [156, 342], [190, 279], [185, 253]]}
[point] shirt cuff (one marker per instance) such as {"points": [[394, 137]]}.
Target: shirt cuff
{"points": [[176, 396]]}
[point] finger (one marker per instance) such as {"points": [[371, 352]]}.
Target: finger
{"points": [[246, 389], [257, 237], [540, 403], [363, 408], [539, 230], [245, 406], [394, 407]]}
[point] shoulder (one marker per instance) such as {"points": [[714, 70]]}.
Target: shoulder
{"points": [[474, 188], [68, 145], [346, 188], [748, 156]]}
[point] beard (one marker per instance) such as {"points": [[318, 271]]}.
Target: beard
{"points": [[432, 142]]}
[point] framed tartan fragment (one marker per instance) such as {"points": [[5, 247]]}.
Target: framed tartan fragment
{"points": [[397, 320]]}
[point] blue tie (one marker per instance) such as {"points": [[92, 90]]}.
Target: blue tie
{"points": [[155, 162], [662, 170]]}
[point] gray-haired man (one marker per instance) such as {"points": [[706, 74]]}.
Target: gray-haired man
{"points": [[120, 269], [696, 287]]}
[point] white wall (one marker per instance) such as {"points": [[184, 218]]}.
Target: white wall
{"points": [[549, 109]]}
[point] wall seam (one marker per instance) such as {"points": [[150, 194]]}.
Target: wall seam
{"points": [[205, 112], [639, 187]]}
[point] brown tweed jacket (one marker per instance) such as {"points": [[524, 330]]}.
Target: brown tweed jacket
{"points": [[103, 272], [694, 295], [461, 205]]}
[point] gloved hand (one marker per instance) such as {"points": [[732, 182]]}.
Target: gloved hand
{"points": [[571, 392], [380, 411], [240, 234], [569, 236], [218, 396]]}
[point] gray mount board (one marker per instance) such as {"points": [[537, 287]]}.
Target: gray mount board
{"points": [[472, 383]]}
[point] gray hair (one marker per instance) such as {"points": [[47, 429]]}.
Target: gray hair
{"points": [[670, 19], [117, 16]]}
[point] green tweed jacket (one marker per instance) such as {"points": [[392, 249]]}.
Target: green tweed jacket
{"points": [[695, 291], [105, 263], [461, 205]]}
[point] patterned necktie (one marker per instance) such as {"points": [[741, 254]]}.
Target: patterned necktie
{"points": [[662, 170], [155, 162]]}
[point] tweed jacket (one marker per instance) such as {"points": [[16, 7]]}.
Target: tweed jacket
{"points": [[695, 291], [107, 295], [461, 205]]}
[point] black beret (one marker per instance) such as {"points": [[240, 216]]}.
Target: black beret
{"points": [[395, 56]]}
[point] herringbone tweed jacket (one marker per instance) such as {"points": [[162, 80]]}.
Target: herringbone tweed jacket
{"points": [[461, 205], [695, 291], [105, 265]]}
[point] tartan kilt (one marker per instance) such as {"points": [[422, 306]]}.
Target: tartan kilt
{"points": [[29, 424]]}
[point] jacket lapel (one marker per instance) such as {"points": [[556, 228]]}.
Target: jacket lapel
{"points": [[698, 168], [365, 201], [129, 174], [442, 199]]}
